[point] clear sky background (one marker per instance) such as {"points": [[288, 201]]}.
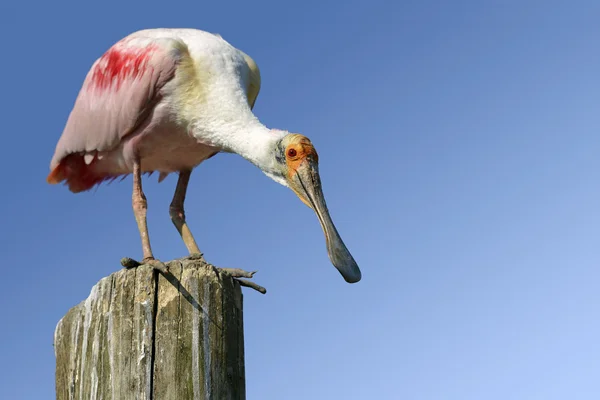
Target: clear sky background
{"points": [[460, 157]]}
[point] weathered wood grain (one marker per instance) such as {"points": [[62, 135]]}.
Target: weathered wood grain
{"points": [[144, 335]]}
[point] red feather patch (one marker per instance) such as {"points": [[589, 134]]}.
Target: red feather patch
{"points": [[118, 64]]}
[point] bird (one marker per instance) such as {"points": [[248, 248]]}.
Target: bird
{"points": [[166, 99]]}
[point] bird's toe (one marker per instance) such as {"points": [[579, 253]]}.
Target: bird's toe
{"points": [[195, 256], [237, 273], [130, 263]]}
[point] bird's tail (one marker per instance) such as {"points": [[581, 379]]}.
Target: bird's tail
{"points": [[78, 175]]}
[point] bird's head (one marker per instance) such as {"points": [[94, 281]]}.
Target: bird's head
{"points": [[297, 167]]}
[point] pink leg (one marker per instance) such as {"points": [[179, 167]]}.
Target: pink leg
{"points": [[177, 212], [140, 206]]}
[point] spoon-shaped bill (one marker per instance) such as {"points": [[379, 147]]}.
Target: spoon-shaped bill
{"points": [[308, 187]]}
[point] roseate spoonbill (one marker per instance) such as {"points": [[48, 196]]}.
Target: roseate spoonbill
{"points": [[167, 99]]}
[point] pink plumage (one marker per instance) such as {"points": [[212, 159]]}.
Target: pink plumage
{"points": [[113, 107]]}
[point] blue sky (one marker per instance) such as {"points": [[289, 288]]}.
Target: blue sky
{"points": [[460, 159]]}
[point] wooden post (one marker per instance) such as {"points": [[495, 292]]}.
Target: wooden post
{"points": [[144, 335]]}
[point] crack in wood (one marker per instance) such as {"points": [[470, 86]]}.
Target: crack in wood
{"points": [[140, 337]]}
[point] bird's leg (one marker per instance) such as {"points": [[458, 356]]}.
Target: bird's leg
{"points": [[140, 207], [177, 213]]}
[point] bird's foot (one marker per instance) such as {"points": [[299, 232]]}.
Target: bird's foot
{"points": [[237, 273], [195, 256], [129, 263]]}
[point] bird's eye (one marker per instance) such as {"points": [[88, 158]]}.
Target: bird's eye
{"points": [[292, 153]]}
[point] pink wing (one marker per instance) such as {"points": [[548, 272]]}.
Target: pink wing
{"points": [[118, 93]]}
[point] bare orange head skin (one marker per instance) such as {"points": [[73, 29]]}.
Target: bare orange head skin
{"points": [[298, 150]]}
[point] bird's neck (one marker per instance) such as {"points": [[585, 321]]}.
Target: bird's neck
{"points": [[256, 143], [247, 137]]}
